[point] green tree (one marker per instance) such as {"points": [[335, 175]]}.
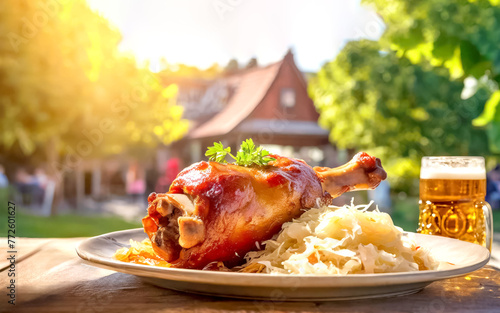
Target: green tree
{"points": [[67, 94], [402, 96], [232, 66], [176, 71], [462, 36], [398, 110]]}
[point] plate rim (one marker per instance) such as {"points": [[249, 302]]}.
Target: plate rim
{"points": [[267, 280]]}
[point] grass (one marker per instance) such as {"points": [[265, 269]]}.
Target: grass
{"points": [[60, 226], [405, 213], [64, 225]]}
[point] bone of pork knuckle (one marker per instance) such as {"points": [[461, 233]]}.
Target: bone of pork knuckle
{"points": [[217, 212]]}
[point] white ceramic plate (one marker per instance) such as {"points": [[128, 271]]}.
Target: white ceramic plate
{"points": [[466, 257]]}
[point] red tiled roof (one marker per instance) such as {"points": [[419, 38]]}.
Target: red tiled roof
{"points": [[250, 88]]}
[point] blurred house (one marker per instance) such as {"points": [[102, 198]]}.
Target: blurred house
{"points": [[268, 104]]}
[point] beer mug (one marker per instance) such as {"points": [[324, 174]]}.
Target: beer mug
{"points": [[452, 199]]}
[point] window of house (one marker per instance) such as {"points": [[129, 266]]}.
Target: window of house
{"points": [[287, 97]]}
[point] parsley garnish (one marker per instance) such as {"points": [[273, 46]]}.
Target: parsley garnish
{"points": [[217, 152], [246, 156]]}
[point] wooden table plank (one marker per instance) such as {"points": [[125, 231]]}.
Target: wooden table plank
{"points": [[56, 280], [29, 246]]}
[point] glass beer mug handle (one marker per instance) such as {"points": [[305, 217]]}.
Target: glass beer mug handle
{"points": [[488, 222]]}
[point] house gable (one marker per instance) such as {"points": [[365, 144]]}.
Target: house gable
{"points": [[288, 77]]}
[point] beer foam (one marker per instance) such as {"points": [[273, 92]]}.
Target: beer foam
{"points": [[453, 173]]}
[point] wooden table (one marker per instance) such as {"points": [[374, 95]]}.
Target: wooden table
{"points": [[50, 277]]}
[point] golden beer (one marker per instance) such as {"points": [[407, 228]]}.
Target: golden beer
{"points": [[452, 201]]}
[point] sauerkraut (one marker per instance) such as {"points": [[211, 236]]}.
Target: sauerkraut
{"points": [[140, 253], [340, 241]]}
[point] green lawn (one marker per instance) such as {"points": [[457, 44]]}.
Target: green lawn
{"points": [[405, 213], [64, 225]]}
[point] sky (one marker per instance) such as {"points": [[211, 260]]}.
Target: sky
{"points": [[202, 32]]}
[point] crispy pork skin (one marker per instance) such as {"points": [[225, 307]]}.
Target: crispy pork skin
{"points": [[218, 212]]}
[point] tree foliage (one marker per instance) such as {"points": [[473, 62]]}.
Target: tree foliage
{"points": [[463, 36], [176, 71], [65, 87], [400, 111], [401, 97]]}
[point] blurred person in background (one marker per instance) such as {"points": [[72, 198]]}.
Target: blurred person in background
{"points": [[4, 182], [40, 178], [40, 181], [172, 168], [29, 187], [135, 182], [493, 187]]}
